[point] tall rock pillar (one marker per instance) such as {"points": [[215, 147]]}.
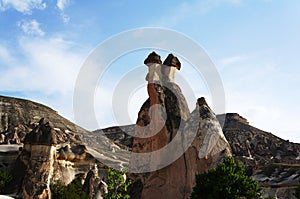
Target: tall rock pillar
{"points": [[164, 117]]}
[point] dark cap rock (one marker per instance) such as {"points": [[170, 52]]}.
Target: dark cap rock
{"points": [[201, 101], [153, 58], [42, 134], [172, 61]]}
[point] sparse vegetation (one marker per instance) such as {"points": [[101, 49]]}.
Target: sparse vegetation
{"points": [[5, 178], [117, 185], [117, 188], [226, 181], [71, 191]]}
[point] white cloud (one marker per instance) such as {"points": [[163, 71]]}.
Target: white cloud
{"points": [[65, 17], [23, 6], [61, 5], [45, 71], [31, 27]]}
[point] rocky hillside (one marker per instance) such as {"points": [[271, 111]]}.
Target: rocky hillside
{"points": [[41, 147], [18, 117], [273, 161]]}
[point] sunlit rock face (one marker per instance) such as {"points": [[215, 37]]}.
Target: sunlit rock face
{"points": [[50, 149], [270, 160], [18, 117], [42, 162], [201, 127]]}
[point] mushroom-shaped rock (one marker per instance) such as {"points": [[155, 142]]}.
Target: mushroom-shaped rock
{"points": [[172, 61], [42, 134], [154, 67], [169, 68], [152, 58]]}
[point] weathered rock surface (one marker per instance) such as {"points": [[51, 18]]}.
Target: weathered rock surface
{"points": [[58, 150], [94, 185], [272, 161], [18, 117], [52, 151], [179, 177], [38, 157], [200, 133]]}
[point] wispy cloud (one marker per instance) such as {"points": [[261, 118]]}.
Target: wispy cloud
{"points": [[61, 5], [23, 6], [47, 66], [31, 27], [231, 61], [5, 56]]}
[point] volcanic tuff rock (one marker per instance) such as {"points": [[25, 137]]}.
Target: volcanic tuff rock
{"points": [[18, 117], [94, 185], [167, 107], [272, 161], [38, 156], [52, 150], [55, 149]]}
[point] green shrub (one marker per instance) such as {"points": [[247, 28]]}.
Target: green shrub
{"points": [[226, 181], [71, 191], [117, 186], [5, 178]]}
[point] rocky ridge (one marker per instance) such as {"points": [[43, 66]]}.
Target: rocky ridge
{"points": [[43, 150]]}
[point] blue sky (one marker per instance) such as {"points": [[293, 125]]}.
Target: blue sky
{"points": [[254, 44]]}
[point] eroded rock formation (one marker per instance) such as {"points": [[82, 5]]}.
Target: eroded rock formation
{"points": [[168, 108], [38, 155]]}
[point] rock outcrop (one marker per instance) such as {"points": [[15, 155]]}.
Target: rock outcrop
{"points": [[39, 156], [18, 117], [27, 150], [94, 184], [200, 133]]}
